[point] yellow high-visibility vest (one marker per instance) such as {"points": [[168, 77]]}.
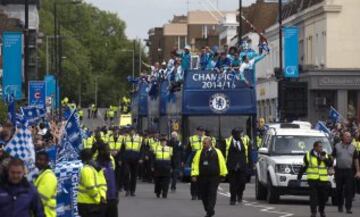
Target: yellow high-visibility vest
{"points": [[153, 145], [357, 146], [246, 145], [88, 142], [102, 185], [46, 185], [163, 153], [115, 145], [88, 192], [196, 142], [134, 145], [195, 166], [315, 171]]}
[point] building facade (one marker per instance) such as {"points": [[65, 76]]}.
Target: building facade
{"points": [[12, 18], [328, 59], [197, 29]]}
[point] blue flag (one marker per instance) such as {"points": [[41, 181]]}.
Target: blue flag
{"points": [[322, 127], [334, 115], [67, 174], [11, 109], [71, 141], [33, 114], [21, 146]]}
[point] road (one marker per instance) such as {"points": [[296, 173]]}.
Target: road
{"points": [[92, 124], [178, 204]]}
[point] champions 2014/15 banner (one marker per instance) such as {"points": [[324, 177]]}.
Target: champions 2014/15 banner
{"points": [[12, 64], [68, 167], [67, 174], [206, 93]]}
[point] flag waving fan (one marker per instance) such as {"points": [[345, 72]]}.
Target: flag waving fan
{"points": [[21, 146], [71, 140]]}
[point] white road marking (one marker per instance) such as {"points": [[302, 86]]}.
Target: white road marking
{"points": [[262, 208]]}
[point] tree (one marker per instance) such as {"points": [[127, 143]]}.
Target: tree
{"points": [[92, 44]]}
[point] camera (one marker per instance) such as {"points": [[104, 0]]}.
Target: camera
{"points": [[323, 153]]}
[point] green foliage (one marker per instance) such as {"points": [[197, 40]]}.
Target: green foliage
{"points": [[93, 44]]}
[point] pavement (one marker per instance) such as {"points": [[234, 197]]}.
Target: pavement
{"points": [[178, 204]]}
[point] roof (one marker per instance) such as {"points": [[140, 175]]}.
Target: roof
{"points": [[304, 130], [261, 15], [296, 6], [179, 19], [175, 29], [204, 17]]}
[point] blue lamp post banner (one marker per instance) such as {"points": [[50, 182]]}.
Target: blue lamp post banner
{"points": [[291, 52], [37, 93], [12, 64], [51, 89]]}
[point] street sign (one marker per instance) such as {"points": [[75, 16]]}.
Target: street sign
{"points": [[12, 64], [37, 93]]}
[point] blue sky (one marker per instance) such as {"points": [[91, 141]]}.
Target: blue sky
{"points": [[141, 15]]}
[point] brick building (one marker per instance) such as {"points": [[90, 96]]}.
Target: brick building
{"points": [[197, 29]]}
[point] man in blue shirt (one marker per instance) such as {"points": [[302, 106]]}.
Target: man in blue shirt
{"points": [[186, 59], [223, 61]]}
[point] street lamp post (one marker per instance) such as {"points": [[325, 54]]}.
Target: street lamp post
{"points": [[47, 53], [26, 50], [280, 37], [133, 62], [240, 23], [58, 51]]}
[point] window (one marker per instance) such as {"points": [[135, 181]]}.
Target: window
{"points": [[309, 51], [301, 51]]}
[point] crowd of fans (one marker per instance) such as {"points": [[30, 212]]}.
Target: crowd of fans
{"points": [[235, 60]]}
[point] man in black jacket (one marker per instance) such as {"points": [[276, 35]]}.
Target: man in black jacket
{"points": [[178, 158], [238, 163], [18, 197]]}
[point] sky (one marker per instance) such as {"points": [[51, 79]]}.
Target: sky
{"points": [[142, 15]]}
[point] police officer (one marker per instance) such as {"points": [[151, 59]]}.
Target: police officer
{"points": [[131, 156], [120, 169], [238, 163], [89, 141], [208, 169], [346, 159], [92, 187], [150, 143], [316, 164], [195, 144], [162, 165], [110, 114], [260, 132], [80, 113], [46, 184], [105, 161]]}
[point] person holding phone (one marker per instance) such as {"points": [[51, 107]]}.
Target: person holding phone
{"points": [[316, 164]]}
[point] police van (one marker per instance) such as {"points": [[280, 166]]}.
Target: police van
{"points": [[281, 158]]}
